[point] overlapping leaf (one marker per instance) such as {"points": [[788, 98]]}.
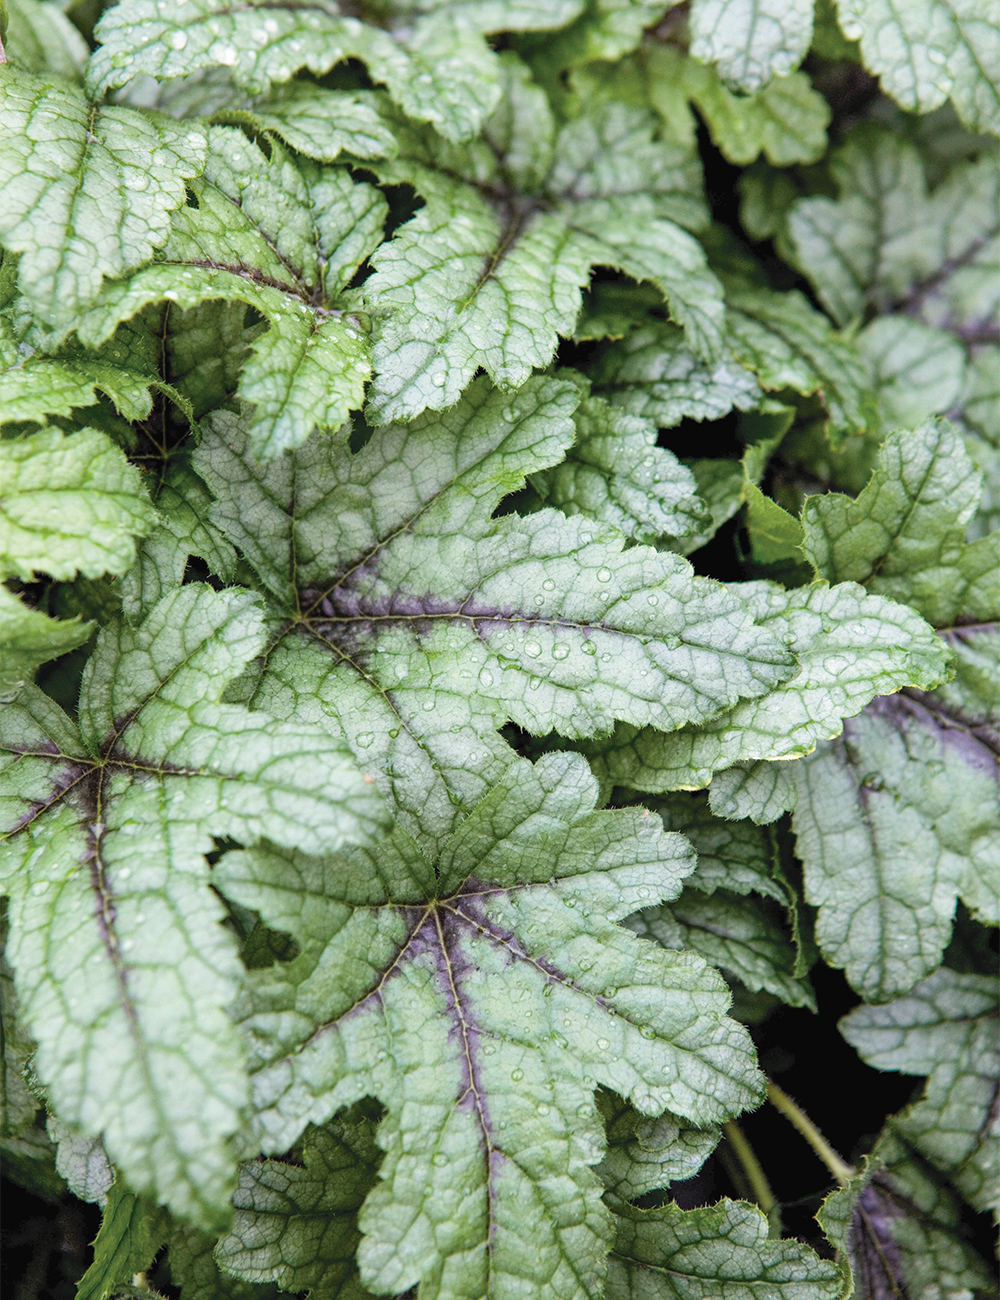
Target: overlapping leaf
{"points": [[416, 624], [719, 1251], [849, 646], [926, 50], [433, 59], [496, 993], [122, 968], [489, 271], [40, 38], [892, 821], [88, 189], [903, 536], [615, 474], [751, 41], [285, 240], [889, 244], [946, 1028]]}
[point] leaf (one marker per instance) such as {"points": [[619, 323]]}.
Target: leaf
{"points": [[296, 1224], [71, 503], [436, 65], [786, 119], [846, 656], [606, 29], [131, 1233], [788, 344], [751, 42], [87, 190], [719, 1250], [928, 50], [82, 1162], [919, 370], [903, 536], [47, 386], [888, 244], [284, 240], [497, 994], [775, 535], [615, 474], [18, 1104], [489, 271], [134, 795], [888, 841], [319, 123], [646, 1154], [29, 638], [946, 1028], [193, 1268], [183, 502], [40, 38], [654, 374], [899, 1230], [414, 618]]}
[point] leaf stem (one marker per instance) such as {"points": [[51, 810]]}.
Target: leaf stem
{"points": [[793, 1112], [755, 1175]]}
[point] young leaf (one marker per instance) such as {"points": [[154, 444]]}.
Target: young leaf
{"points": [[436, 65], [654, 374], [947, 1029], [645, 1154], [722, 1251], [497, 992], [132, 1231], [87, 190], [788, 344], [71, 503], [489, 271], [926, 50], [903, 537], [846, 654], [889, 244], [133, 796], [193, 1268], [284, 240], [297, 1225], [615, 474], [411, 617], [753, 41], [82, 1162]]}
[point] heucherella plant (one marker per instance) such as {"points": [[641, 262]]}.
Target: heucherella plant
{"points": [[499, 601]]}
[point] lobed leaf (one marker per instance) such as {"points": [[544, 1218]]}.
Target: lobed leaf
{"points": [[751, 41], [397, 592], [122, 968], [88, 190], [497, 993]]}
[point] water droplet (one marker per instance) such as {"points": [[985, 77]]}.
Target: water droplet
{"points": [[543, 1108], [365, 738], [652, 599], [438, 380], [517, 1075], [178, 40], [485, 677], [560, 650], [603, 1044], [488, 1049], [40, 887], [532, 648], [548, 585], [394, 732], [589, 648], [439, 1159], [603, 575], [585, 1112]]}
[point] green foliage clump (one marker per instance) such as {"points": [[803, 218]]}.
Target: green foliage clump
{"points": [[500, 593]]}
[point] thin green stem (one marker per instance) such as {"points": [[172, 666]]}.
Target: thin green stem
{"points": [[755, 1176], [793, 1112]]}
